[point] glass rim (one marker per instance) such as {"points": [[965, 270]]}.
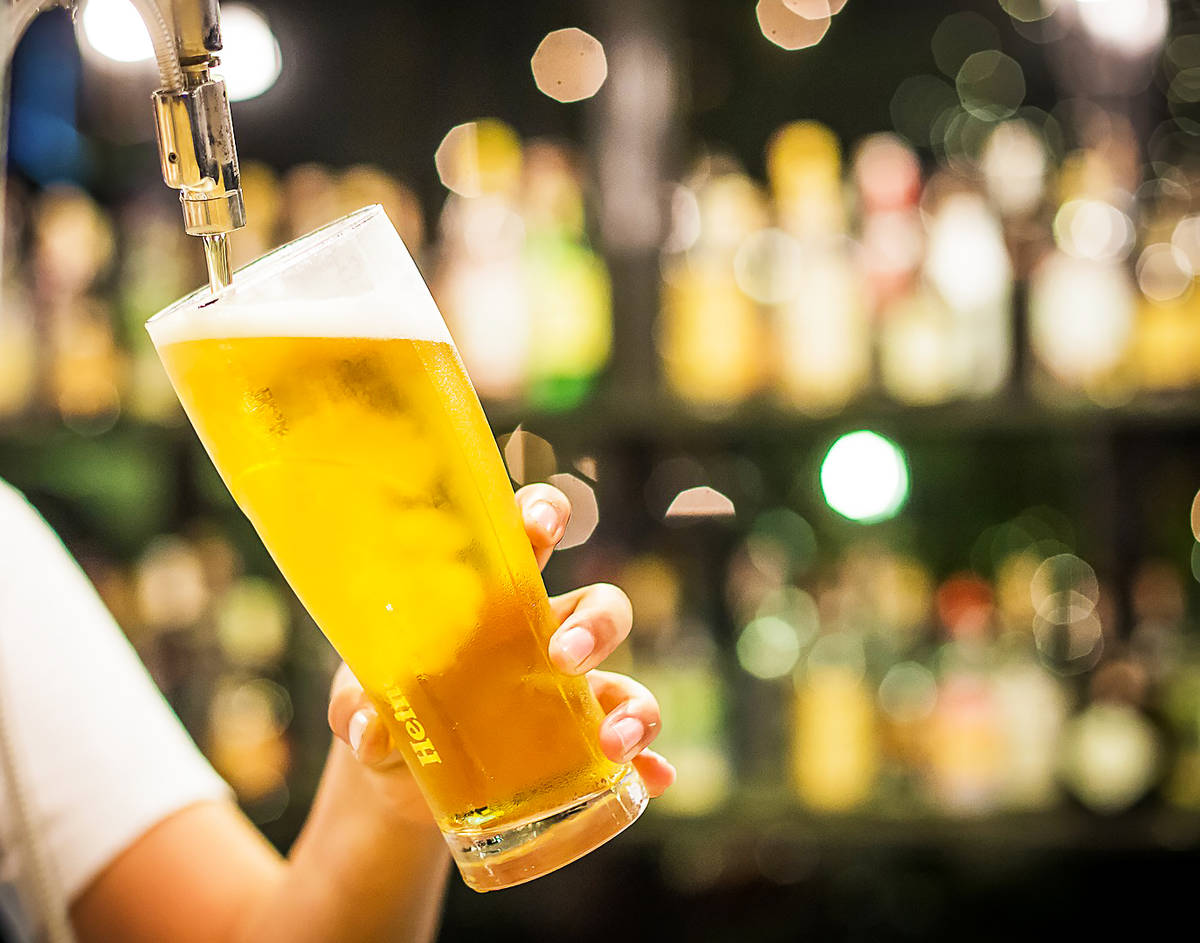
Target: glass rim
{"points": [[286, 255]]}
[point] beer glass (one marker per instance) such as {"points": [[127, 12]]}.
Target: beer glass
{"points": [[331, 399]]}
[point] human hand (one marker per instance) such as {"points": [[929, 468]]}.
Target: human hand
{"points": [[593, 621]]}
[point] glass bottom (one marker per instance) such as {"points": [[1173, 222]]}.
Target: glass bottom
{"points": [[496, 858]]}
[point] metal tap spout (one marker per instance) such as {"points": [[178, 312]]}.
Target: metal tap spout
{"points": [[191, 112]]}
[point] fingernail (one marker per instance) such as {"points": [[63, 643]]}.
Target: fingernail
{"points": [[358, 727], [629, 731], [574, 645], [543, 514]]}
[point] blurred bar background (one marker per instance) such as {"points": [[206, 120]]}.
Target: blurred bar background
{"points": [[864, 337]]}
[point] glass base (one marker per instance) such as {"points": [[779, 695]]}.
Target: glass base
{"points": [[492, 859]]}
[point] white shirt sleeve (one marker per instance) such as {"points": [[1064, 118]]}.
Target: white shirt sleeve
{"points": [[100, 753]]}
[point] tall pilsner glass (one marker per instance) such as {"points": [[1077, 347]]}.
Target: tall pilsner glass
{"points": [[328, 393]]}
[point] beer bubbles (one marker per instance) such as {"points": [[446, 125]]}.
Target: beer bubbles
{"points": [[569, 65]]}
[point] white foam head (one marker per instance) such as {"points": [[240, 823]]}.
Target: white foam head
{"points": [[352, 278]]}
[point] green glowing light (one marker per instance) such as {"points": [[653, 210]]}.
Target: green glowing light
{"points": [[864, 477]]}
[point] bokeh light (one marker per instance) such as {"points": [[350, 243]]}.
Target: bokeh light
{"points": [[967, 259], [768, 648], [781, 542], [864, 477], [250, 60], [1093, 229], [887, 173], [1110, 757], [990, 85], [917, 104], [1064, 584], [479, 157], [797, 608], [529, 457], [1164, 272], [1067, 627], [170, 588], [668, 478], [697, 503], [1132, 27], [685, 225], [908, 692], [1186, 238], [809, 9], [959, 36], [787, 29], [252, 623], [569, 65], [114, 29], [769, 266], [1029, 11], [1081, 316], [585, 512], [1014, 167]]}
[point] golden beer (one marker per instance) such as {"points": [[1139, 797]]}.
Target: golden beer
{"points": [[368, 469]]}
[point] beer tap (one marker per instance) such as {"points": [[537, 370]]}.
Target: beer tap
{"points": [[191, 115]]}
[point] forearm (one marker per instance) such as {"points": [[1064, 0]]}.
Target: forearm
{"points": [[369, 865]]}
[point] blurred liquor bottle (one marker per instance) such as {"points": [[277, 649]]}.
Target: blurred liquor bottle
{"points": [[73, 248], [887, 180], [247, 742], [676, 657], [920, 358], [566, 282], [822, 339], [479, 282], [1164, 350], [835, 755], [1015, 165], [364, 184], [18, 337], [1179, 701], [18, 348], [263, 193], [710, 333], [966, 736], [890, 595], [1033, 706], [160, 264], [248, 712], [310, 200], [968, 267], [1082, 300], [1034, 700]]}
